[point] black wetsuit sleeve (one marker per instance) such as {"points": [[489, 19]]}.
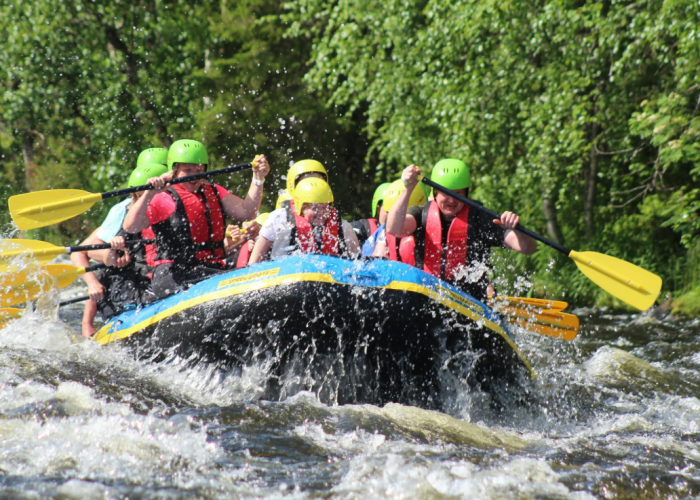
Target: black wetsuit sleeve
{"points": [[417, 213]]}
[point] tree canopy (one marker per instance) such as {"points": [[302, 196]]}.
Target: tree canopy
{"points": [[580, 116]]}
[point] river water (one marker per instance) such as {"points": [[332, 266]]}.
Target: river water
{"points": [[616, 415]]}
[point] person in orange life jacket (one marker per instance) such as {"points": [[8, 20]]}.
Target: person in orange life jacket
{"points": [[188, 219], [367, 229], [386, 244], [314, 226], [126, 281], [450, 240]]}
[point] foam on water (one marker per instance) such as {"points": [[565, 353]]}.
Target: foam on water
{"points": [[78, 420]]}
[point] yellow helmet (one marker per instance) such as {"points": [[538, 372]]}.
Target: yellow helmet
{"points": [[311, 190], [303, 167], [283, 196], [395, 189]]}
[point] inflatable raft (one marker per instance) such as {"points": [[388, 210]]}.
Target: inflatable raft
{"points": [[370, 331]]}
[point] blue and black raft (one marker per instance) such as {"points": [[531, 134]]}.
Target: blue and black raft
{"points": [[351, 331]]}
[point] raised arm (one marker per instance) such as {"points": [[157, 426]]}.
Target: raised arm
{"points": [[241, 210], [398, 223]]}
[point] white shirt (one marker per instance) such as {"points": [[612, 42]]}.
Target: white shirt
{"points": [[277, 221]]}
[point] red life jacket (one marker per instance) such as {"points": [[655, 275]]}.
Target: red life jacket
{"points": [[455, 255], [148, 234], [195, 231], [372, 226], [406, 248], [330, 244], [243, 255]]}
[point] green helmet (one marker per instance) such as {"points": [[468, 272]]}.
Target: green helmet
{"points": [[151, 156], [378, 196], [452, 174], [187, 151], [144, 172]]}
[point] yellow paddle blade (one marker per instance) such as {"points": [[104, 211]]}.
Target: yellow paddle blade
{"points": [[43, 208], [552, 323], [554, 305], [8, 314], [20, 286], [629, 283], [549, 330], [40, 250]]}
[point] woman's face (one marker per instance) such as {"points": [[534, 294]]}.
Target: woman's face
{"points": [[316, 213]]}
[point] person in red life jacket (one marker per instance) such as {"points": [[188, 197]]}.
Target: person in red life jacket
{"points": [[387, 244], [450, 240], [188, 219], [283, 216], [366, 229], [313, 227], [127, 279]]}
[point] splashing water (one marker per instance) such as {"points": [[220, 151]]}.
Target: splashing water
{"points": [[615, 414]]}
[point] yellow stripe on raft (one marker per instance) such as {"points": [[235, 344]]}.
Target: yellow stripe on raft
{"points": [[103, 337], [456, 306]]}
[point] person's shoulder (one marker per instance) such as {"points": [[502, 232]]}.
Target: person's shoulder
{"points": [[121, 206], [124, 203], [118, 210], [276, 218], [415, 211], [276, 212], [161, 197], [221, 190]]}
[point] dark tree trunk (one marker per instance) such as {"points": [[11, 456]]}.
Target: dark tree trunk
{"points": [[549, 208], [591, 176], [29, 163], [131, 64]]}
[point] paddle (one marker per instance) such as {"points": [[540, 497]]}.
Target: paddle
{"points": [[10, 313], [554, 305], [629, 283], [74, 300], [45, 252], [546, 322], [43, 208], [17, 287]]}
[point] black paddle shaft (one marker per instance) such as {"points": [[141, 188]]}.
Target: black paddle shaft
{"points": [[495, 215], [105, 246], [188, 178], [74, 300]]}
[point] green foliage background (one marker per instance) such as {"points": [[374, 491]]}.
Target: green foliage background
{"points": [[580, 116]]}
